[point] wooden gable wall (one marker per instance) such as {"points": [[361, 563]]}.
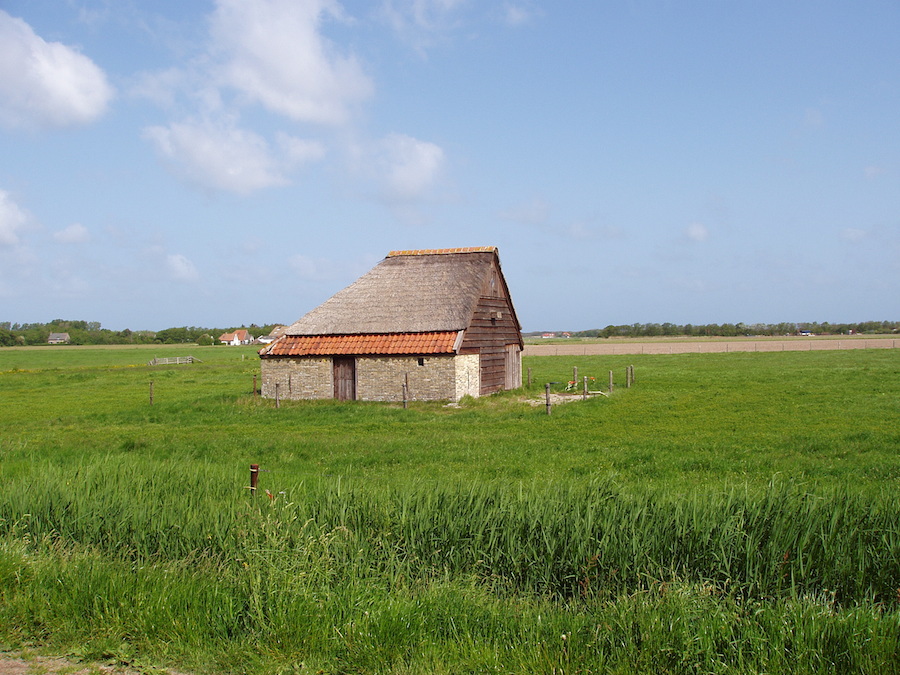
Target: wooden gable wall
{"points": [[491, 333]]}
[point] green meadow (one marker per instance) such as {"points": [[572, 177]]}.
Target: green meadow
{"points": [[728, 513]]}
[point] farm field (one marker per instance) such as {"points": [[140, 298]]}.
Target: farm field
{"points": [[729, 513]]}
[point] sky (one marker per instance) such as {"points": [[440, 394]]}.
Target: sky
{"points": [[227, 162]]}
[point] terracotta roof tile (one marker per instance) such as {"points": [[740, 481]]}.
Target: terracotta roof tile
{"points": [[442, 251], [384, 343]]}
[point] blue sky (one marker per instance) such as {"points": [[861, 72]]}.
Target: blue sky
{"points": [[228, 162]]}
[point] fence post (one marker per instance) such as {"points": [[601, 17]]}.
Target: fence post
{"points": [[405, 395], [575, 374], [547, 394], [151, 392], [610, 381], [254, 386], [584, 394], [254, 478], [529, 378], [277, 396]]}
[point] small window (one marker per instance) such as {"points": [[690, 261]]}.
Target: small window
{"points": [[421, 361]]}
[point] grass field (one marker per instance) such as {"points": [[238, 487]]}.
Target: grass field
{"points": [[728, 513]]}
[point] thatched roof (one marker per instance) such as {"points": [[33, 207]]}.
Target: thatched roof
{"points": [[407, 292]]}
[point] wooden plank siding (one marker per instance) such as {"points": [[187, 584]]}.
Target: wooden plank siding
{"points": [[493, 331]]}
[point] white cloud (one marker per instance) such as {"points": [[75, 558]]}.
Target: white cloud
{"points": [[853, 234], [181, 268], [580, 230], [12, 219], [46, 84], [408, 167], [218, 156], [697, 232], [421, 23], [299, 150], [516, 14], [272, 51], [75, 233], [160, 87]]}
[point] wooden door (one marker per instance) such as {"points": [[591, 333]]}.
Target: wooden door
{"points": [[513, 367], [344, 378]]}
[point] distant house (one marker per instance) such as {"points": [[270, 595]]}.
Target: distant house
{"points": [[238, 337], [436, 324], [548, 335], [276, 333], [58, 339]]}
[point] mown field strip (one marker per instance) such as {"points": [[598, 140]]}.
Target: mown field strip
{"points": [[611, 348]]}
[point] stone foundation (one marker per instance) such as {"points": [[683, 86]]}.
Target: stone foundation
{"points": [[378, 378]]}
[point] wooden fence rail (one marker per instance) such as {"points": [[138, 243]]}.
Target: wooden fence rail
{"points": [[173, 360]]}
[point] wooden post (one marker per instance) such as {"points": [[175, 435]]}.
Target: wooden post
{"points": [[151, 392], [254, 386], [529, 378], [610, 381], [547, 394], [627, 378], [632, 373], [575, 374], [584, 394], [277, 396], [405, 394], [254, 478]]}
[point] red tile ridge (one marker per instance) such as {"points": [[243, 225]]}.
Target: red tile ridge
{"points": [[443, 251]]}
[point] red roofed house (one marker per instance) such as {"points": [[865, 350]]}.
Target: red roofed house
{"points": [[238, 337], [439, 321]]}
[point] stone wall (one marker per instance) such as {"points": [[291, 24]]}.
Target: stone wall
{"points": [[381, 378], [468, 376], [301, 379], [378, 378]]}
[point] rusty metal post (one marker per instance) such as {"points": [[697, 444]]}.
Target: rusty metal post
{"points": [[254, 478], [405, 395]]}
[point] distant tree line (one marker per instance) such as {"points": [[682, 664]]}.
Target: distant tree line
{"points": [[739, 329], [91, 333]]}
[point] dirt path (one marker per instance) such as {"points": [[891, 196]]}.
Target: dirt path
{"points": [[17, 663], [674, 346]]}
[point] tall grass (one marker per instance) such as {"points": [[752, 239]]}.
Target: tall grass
{"points": [[121, 558], [559, 541]]}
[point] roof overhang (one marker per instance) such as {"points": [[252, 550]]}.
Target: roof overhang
{"points": [[374, 344]]}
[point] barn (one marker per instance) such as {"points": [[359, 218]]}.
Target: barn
{"points": [[434, 324]]}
